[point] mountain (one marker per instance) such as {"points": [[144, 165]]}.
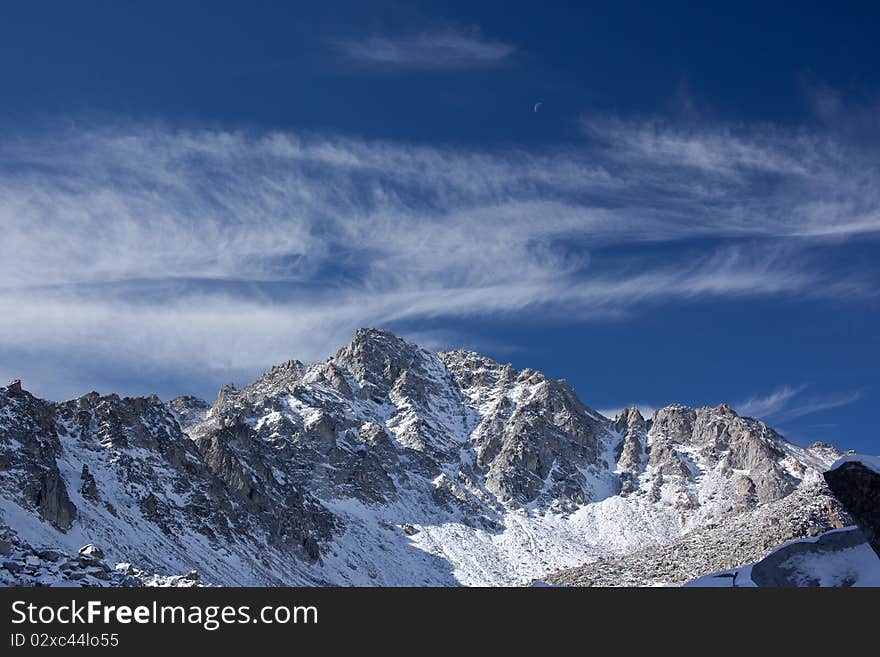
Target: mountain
{"points": [[388, 464]]}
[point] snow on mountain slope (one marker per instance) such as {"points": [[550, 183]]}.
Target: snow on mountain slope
{"points": [[735, 539], [383, 465]]}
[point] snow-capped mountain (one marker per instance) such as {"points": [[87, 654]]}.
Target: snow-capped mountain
{"points": [[388, 464]]}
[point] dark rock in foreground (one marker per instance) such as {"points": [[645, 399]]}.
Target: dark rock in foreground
{"points": [[784, 566], [857, 485]]}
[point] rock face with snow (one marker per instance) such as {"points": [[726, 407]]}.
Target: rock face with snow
{"points": [[189, 410], [855, 481], [30, 449], [755, 462], [388, 464], [633, 448], [533, 436], [121, 471]]}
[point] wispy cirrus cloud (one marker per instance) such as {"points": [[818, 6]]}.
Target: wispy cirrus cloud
{"points": [[190, 251], [771, 404], [751, 173], [788, 403], [446, 48]]}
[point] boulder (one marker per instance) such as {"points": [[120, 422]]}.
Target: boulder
{"points": [[789, 565], [13, 566], [92, 551], [857, 485], [50, 554]]}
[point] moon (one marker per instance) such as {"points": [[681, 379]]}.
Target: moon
{"points": [[538, 106]]}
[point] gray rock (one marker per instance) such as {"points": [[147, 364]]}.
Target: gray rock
{"points": [[538, 446], [189, 410], [857, 486], [89, 487], [53, 501], [50, 554], [13, 566], [631, 461]]}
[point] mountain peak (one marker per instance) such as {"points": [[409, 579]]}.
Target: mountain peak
{"points": [[370, 334], [376, 356], [629, 417], [466, 359], [189, 409], [377, 340]]}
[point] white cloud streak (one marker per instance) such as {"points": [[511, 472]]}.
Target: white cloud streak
{"points": [[769, 405], [187, 251], [788, 403], [436, 49]]}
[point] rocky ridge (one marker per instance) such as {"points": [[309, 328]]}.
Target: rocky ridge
{"points": [[384, 464]]}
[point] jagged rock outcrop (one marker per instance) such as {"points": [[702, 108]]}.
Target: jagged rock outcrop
{"points": [[856, 483], [632, 426], [189, 410], [28, 456], [534, 436], [753, 463], [117, 464]]}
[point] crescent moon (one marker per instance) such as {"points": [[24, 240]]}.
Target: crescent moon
{"points": [[538, 106]]}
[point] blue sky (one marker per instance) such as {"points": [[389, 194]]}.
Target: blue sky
{"points": [[692, 214]]}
